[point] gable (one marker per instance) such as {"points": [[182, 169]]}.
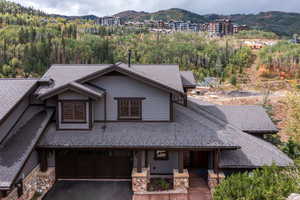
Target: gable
{"points": [[156, 103], [137, 75], [85, 90]]}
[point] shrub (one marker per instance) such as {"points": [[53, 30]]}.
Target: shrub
{"points": [[233, 80], [261, 184]]}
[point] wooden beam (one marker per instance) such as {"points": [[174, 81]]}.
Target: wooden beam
{"points": [[139, 161], [43, 155], [216, 163], [216, 160], [4, 194], [180, 161]]}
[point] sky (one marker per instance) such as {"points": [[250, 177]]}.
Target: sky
{"points": [[110, 7]]}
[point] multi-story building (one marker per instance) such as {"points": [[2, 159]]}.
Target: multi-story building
{"points": [[220, 27], [238, 28], [122, 121], [109, 21]]}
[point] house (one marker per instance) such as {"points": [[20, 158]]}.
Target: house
{"points": [[122, 121]]}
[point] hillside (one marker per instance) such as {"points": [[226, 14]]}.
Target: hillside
{"points": [[165, 15], [14, 8], [282, 23]]}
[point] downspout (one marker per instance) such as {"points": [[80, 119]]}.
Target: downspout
{"points": [[218, 171], [105, 112]]}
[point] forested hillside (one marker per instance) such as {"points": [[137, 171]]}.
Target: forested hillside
{"points": [[281, 23], [31, 41]]}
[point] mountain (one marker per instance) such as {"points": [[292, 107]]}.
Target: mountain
{"points": [[84, 17], [15, 8], [131, 15], [165, 15], [281, 23]]}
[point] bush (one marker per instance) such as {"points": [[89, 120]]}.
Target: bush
{"points": [[233, 80], [292, 149], [261, 184]]}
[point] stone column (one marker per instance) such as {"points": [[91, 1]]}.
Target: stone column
{"points": [[181, 180], [140, 180], [214, 179], [45, 180]]}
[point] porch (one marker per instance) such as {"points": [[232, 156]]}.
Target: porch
{"points": [[195, 175], [190, 172]]}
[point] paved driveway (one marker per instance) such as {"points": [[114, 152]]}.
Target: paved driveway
{"points": [[90, 190]]}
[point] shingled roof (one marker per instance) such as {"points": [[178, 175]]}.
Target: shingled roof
{"points": [[16, 150], [87, 90], [188, 79], [189, 131], [165, 76], [12, 91], [254, 152], [248, 118]]}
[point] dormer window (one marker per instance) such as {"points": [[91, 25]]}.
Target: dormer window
{"points": [[74, 112], [130, 108]]}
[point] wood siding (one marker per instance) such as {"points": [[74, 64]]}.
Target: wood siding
{"points": [[155, 107]]}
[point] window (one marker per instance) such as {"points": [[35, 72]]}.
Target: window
{"points": [[161, 155], [129, 108], [73, 111]]}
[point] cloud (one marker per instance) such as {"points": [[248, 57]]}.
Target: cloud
{"points": [[109, 7]]}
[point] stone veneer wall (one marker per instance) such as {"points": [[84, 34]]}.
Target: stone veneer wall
{"points": [[35, 182], [45, 181], [140, 180], [214, 179], [181, 180]]}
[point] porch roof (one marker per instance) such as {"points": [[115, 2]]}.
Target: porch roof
{"points": [[189, 131], [19, 146], [254, 152]]}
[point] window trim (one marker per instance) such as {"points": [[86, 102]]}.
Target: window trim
{"points": [[62, 121], [162, 159], [139, 118]]}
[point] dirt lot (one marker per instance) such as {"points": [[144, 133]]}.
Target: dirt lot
{"points": [[275, 99]]}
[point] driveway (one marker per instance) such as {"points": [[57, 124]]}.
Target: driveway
{"points": [[90, 190]]}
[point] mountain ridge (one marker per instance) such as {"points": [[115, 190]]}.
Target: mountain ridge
{"points": [[281, 23]]}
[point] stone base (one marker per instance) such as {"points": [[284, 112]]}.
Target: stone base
{"points": [[214, 179], [160, 197], [140, 180], [181, 180], [35, 182], [29, 187], [45, 181]]}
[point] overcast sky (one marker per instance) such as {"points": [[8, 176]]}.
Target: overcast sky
{"points": [[109, 7]]}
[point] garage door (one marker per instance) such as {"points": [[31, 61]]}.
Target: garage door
{"points": [[83, 164]]}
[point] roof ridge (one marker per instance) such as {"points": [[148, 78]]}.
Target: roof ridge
{"points": [[153, 77]]}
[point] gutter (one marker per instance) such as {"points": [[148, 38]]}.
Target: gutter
{"points": [[136, 147]]}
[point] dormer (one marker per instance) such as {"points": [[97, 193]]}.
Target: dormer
{"points": [[74, 105]]}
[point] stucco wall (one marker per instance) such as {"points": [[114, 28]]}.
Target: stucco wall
{"points": [[155, 107], [163, 166]]}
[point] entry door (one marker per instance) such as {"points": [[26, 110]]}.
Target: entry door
{"points": [[81, 164], [198, 159]]}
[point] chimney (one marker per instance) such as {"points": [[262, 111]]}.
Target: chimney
{"points": [[129, 57]]}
